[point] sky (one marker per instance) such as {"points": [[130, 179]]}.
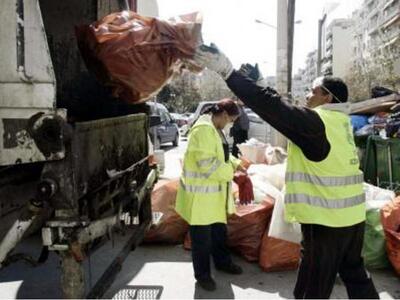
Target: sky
{"points": [[230, 24]]}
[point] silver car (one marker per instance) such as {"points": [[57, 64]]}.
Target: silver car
{"points": [[258, 128]]}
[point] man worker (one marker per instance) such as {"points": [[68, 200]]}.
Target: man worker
{"points": [[324, 190], [239, 130]]}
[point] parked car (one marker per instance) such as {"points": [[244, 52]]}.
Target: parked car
{"points": [[180, 119], [165, 132], [201, 107], [258, 128]]}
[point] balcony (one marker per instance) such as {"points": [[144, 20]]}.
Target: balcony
{"points": [[328, 44], [327, 70], [328, 52], [391, 19], [389, 3]]}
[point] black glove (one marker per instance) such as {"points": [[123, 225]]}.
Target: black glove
{"points": [[250, 71], [253, 72]]}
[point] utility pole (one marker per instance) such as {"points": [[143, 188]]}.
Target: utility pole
{"points": [[282, 48], [290, 21], [319, 53], [284, 58]]}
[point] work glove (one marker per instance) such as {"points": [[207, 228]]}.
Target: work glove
{"points": [[211, 58], [250, 71], [243, 181], [253, 72]]}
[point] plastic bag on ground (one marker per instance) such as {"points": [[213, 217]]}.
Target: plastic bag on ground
{"points": [[374, 251], [137, 55], [262, 188], [279, 228], [274, 174], [247, 226], [275, 155], [278, 255], [171, 228], [376, 197], [187, 243], [253, 150], [390, 218]]}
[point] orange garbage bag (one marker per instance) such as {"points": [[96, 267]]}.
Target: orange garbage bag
{"points": [[390, 218], [171, 228], [187, 243], [247, 226], [137, 55], [278, 255], [245, 229]]}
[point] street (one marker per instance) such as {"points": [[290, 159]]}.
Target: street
{"points": [[163, 271]]}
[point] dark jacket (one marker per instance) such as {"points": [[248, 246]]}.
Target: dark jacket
{"points": [[300, 125], [242, 122]]}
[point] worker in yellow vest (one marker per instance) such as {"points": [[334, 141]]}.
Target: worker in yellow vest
{"points": [[324, 191], [204, 195]]}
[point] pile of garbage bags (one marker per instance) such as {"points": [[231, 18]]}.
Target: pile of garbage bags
{"points": [[259, 153], [258, 232], [384, 124], [373, 251], [248, 228], [390, 218]]}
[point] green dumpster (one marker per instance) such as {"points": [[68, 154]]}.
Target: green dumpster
{"points": [[381, 165]]}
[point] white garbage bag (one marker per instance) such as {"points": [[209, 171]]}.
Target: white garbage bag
{"points": [[279, 228], [376, 197], [274, 174], [253, 150], [275, 155], [262, 188]]}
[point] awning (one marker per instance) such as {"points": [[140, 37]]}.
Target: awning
{"points": [[392, 41]]}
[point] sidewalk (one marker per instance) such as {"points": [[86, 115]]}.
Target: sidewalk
{"points": [[163, 270]]}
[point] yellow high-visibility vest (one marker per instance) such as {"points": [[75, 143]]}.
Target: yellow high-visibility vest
{"points": [[204, 195], [329, 192]]}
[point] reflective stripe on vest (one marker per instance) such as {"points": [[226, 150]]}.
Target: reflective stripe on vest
{"points": [[205, 162], [201, 189], [214, 167], [324, 180], [325, 203]]}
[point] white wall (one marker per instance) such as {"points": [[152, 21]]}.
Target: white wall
{"points": [[342, 50]]}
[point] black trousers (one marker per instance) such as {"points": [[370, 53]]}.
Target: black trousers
{"points": [[239, 136], [327, 251], [209, 240]]}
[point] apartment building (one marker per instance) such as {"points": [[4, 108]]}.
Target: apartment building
{"points": [[299, 88], [310, 71], [336, 47], [377, 29], [303, 79]]}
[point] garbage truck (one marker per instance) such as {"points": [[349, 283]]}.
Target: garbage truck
{"points": [[74, 161]]}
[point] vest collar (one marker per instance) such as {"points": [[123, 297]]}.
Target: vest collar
{"points": [[339, 107]]}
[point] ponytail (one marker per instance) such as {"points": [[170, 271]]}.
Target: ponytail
{"points": [[227, 105]]}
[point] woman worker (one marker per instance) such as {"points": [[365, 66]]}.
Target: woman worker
{"points": [[204, 196]]}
